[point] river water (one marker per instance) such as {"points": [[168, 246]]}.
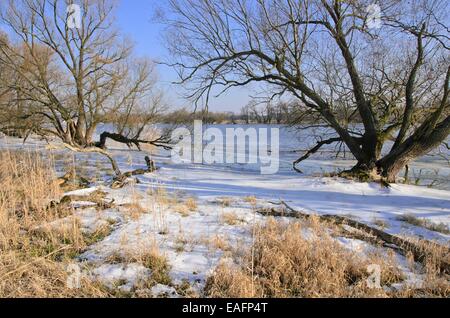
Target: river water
{"points": [[431, 170]]}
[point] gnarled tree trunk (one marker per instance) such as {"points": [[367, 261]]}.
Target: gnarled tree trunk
{"points": [[419, 144]]}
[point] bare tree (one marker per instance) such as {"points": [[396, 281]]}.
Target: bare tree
{"points": [[66, 80], [245, 114], [274, 112], [331, 56], [282, 111]]}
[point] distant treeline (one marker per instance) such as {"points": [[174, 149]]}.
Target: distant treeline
{"points": [[251, 114], [281, 113]]}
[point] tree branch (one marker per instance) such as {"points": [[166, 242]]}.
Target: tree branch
{"points": [[312, 151]]}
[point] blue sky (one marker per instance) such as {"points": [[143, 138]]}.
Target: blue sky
{"points": [[134, 18]]}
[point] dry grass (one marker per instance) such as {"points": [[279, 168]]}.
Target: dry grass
{"points": [[225, 201], [219, 242], [162, 197], [134, 210], [381, 224], [231, 281], [34, 256], [183, 210], [161, 201], [231, 218], [436, 281], [99, 234], [251, 200], [191, 204], [181, 243], [150, 257], [436, 227], [27, 185], [185, 289], [282, 263], [187, 207]]}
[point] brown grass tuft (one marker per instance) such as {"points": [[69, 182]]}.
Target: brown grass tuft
{"points": [[186, 208], [225, 201], [436, 227], [283, 262], [251, 200], [191, 204], [231, 218], [149, 257], [34, 256]]}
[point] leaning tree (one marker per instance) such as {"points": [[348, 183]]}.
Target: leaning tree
{"points": [[65, 80], [376, 72]]}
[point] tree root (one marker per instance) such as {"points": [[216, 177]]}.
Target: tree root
{"points": [[362, 175], [420, 252]]}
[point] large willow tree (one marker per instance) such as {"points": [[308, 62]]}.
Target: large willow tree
{"points": [[390, 75]]}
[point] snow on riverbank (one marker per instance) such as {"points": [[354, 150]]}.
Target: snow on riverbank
{"points": [[195, 241], [195, 244]]}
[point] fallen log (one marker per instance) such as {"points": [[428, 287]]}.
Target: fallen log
{"points": [[150, 168], [121, 180], [419, 252], [96, 197]]}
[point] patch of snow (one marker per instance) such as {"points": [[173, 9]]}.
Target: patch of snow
{"points": [[83, 192], [164, 291], [122, 276]]}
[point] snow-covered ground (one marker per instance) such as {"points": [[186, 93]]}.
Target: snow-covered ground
{"points": [[195, 241], [366, 202]]}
